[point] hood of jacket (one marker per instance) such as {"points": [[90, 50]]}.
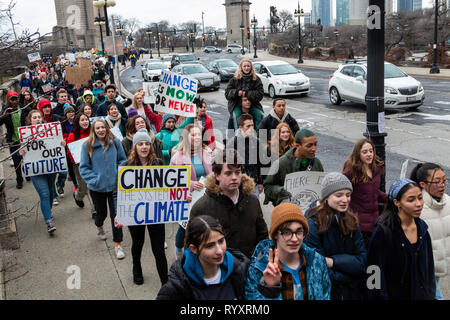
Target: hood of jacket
{"points": [[88, 93], [247, 185], [273, 114], [431, 203], [42, 103]]}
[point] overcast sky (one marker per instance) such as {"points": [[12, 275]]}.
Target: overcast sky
{"points": [[33, 14]]}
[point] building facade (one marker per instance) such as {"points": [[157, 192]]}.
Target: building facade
{"points": [[358, 12], [238, 13], [342, 12], [404, 5], [321, 9]]}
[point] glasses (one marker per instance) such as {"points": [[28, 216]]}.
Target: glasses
{"points": [[443, 182], [288, 234]]}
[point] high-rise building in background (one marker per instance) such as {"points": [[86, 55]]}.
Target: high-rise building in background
{"points": [[404, 5], [321, 9], [358, 12], [307, 18], [342, 12], [417, 5]]}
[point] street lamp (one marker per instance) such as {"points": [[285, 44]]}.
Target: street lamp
{"points": [[435, 68], [105, 4], [254, 23], [100, 21], [149, 33], [242, 32], [299, 13]]}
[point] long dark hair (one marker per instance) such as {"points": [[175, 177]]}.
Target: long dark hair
{"points": [[324, 215], [199, 229], [423, 171], [76, 126]]}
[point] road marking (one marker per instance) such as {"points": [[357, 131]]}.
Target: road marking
{"points": [[213, 112], [442, 102]]}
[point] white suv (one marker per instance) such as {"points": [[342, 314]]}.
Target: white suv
{"points": [[235, 48], [401, 91]]}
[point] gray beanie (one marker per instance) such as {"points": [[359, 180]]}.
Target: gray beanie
{"points": [[141, 135], [333, 182]]}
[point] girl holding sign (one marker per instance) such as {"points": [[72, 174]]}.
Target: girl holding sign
{"points": [[207, 270], [45, 183], [100, 157], [114, 119]]}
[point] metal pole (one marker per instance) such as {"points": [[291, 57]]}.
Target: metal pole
{"points": [[300, 60], [101, 38], [375, 85], [108, 33], [157, 34], [203, 24], [435, 68], [254, 37], [151, 51], [116, 57]]}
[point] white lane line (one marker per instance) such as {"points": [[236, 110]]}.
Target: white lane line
{"points": [[442, 102]]}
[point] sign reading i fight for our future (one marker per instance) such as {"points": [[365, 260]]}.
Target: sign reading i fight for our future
{"points": [[44, 153], [153, 195], [176, 93]]}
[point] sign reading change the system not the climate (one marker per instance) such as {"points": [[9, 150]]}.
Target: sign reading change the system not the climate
{"points": [[176, 93], [305, 187], [153, 195]]}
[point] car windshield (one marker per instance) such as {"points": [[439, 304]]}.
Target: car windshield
{"points": [[167, 58], [152, 60], [156, 66], [391, 71], [194, 69], [189, 57], [282, 69], [227, 64]]}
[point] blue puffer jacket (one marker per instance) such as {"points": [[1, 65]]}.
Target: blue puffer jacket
{"points": [[100, 171], [319, 285]]}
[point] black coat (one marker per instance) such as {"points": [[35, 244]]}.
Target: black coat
{"points": [[269, 123], [181, 287], [254, 91], [7, 121], [407, 271], [103, 109]]}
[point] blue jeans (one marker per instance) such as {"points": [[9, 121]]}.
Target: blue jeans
{"points": [[61, 182], [45, 187], [439, 295]]}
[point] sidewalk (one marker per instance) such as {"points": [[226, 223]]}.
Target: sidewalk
{"points": [[331, 65]]}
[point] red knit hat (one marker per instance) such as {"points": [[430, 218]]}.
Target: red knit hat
{"points": [[287, 212]]}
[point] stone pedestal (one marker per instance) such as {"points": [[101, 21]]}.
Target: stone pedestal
{"points": [[238, 13]]}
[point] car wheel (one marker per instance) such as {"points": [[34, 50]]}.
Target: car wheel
{"points": [[335, 98], [229, 51], [272, 93]]}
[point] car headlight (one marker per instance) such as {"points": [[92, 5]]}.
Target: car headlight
{"points": [[420, 88], [216, 78], [279, 82], [390, 90]]}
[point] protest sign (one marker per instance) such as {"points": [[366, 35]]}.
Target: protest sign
{"points": [[77, 75], [404, 169], [71, 57], [150, 91], [196, 195], [33, 57], [75, 149], [116, 132], [44, 153], [153, 195], [92, 119], [176, 93], [305, 187], [47, 87]]}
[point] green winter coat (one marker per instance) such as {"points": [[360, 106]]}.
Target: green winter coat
{"points": [[288, 163]]}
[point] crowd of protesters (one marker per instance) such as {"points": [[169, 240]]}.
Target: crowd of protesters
{"points": [[227, 250]]}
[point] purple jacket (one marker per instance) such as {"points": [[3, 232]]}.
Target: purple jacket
{"points": [[365, 198]]}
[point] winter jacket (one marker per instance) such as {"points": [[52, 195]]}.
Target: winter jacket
{"points": [[253, 91], [103, 108], [59, 109], [406, 270], [71, 138], [317, 279], [8, 122], [154, 119], [180, 159], [100, 171], [365, 198], [52, 117], [186, 279], [349, 256], [127, 145], [288, 163], [208, 131], [171, 138], [437, 217], [272, 121], [243, 222]]}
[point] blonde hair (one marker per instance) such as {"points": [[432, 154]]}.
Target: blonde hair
{"points": [[134, 100], [184, 146], [93, 137], [238, 74]]}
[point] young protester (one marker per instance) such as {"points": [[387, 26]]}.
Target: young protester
{"points": [[229, 198], [300, 158], [42, 83], [88, 98], [111, 99], [206, 124], [138, 107], [87, 110], [245, 107], [26, 98], [245, 83], [99, 87], [133, 125], [114, 119], [335, 234], [44, 183], [45, 107], [285, 268], [277, 115], [170, 135], [62, 98], [364, 168], [14, 117], [281, 141], [67, 126], [142, 154], [401, 248], [101, 155], [25, 83], [191, 151], [207, 270], [432, 180]]}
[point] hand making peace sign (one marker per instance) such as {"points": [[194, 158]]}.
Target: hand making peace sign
{"points": [[272, 274]]}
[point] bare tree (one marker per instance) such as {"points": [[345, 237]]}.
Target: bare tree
{"points": [[286, 20], [9, 14]]}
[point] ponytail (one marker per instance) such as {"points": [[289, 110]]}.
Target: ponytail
{"points": [[421, 172]]}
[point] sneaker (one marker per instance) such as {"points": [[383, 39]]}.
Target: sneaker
{"points": [[50, 228], [119, 252], [60, 191], [79, 203], [101, 234], [19, 185], [55, 201]]}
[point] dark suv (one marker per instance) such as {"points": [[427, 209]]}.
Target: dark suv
{"points": [[183, 58]]}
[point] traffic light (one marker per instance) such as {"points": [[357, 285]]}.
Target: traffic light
{"points": [[248, 32], [174, 31], [203, 37]]}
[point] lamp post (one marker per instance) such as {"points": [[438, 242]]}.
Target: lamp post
{"points": [[242, 32], [149, 33], [105, 4], [100, 21], [299, 13], [435, 68], [254, 23]]}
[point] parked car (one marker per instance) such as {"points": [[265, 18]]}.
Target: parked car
{"points": [[225, 68], [280, 78], [209, 49], [153, 71], [166, 60], [349, 82], [183, 58], [144, 65], [235, 48], [206, 79], [143, 50]]}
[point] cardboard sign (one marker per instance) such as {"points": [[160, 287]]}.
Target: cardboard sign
{"points": [[33, 57], [44, 153], [75, 149], [305, 187], [109, 45], [78, 75], [151, 90], [153, 195], [176, 93], [84, 63]]}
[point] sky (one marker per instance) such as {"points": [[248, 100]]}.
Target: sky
{"points": [[40, 14]]}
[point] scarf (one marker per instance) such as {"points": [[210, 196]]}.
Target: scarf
{"points": [[117, 121]]}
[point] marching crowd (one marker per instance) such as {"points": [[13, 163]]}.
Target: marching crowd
{"points": [[227, 251]]}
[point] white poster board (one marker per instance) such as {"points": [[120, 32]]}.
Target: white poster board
{"points": [[305, 187], [153, 195], [33, 57], [196, 195], [116, 132], [75, 149], [151, 90]]}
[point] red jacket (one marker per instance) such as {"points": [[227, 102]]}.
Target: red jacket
{"points": [[209, 132], [155, 119], [71, 138]]}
